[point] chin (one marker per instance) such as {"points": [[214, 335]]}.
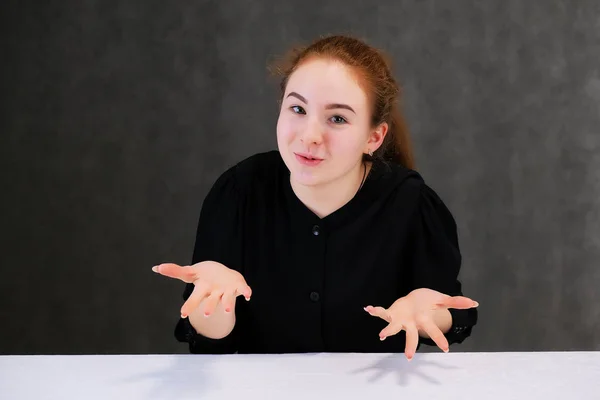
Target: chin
{"points": [[305, 179], [304, 175]]}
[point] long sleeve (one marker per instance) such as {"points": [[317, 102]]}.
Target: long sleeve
{"points": [[218, 238], [435, 259]]}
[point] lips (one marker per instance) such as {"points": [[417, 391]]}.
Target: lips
{"points": [[308, 156], [307, 159]]}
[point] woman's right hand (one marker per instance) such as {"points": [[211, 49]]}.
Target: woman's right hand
{"points": [[213, 282]]}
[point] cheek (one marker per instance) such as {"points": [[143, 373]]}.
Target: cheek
{"points": [[349, 142], [285, 130]]}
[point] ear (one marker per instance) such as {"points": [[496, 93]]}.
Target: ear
{"points": [[376, 137]]}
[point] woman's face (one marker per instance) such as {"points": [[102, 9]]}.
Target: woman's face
{"points": [[324, 125]]}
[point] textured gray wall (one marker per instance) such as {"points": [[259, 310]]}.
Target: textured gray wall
{"points": [[117, 117]]}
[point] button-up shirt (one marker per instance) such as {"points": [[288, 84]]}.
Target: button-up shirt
{"points": [[311, 277]]}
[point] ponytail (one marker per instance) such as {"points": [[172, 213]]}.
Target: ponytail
{"points": [[397, 146], [402, 144]]}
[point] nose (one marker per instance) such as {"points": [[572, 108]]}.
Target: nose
{"points": [[312, 134]]}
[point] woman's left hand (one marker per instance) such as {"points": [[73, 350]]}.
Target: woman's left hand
{"points": [[416, 311]]}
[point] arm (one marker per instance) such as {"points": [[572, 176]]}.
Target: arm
{"points": [[436, 262], [218, 239]]}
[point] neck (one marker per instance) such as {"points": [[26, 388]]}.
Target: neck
{"points": [[326, 198]]}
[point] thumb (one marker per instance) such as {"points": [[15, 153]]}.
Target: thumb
{"points": [[171, 270], [459, 302]]}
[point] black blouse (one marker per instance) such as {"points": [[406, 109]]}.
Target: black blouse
{"points": [[311, 277]]}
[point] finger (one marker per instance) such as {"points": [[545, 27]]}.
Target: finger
{"points": [[379, 312], [435, 334], [228, 300], [244, 290], [412, 341], [390, 330], [210, 303], [459, 302], [186, 274], [193, 302]]}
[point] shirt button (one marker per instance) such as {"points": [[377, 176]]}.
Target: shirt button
{"points": [[314, 296], [316, 230]]}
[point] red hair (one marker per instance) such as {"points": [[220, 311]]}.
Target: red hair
{"points": [[373, 68]]}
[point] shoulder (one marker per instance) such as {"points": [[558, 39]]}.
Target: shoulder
{"points": [[258, 167], [394, 180], [409, 189], [256, 170]]}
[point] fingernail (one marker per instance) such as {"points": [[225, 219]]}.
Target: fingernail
{"points": [[475, 304], [155, 268], [446, 350], [247, 298], [409, 358], [183, 316], [207, 314], [382, 338], [227, 310]]}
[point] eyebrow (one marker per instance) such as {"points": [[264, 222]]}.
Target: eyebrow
{"points": [[328, 106]]}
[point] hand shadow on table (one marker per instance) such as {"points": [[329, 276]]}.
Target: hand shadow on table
{"points": [[182, 378], [397, 364]]}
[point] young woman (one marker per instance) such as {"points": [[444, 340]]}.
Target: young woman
{"points": [[334, 241]]}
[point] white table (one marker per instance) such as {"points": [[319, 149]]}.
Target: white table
{"points": [[544, 376]]}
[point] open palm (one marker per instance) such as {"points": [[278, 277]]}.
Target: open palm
{"points": [[415, 312]]}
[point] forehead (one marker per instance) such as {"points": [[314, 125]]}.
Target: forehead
{"points": [[325, 81]]}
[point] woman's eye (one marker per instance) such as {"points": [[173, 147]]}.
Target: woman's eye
{"points": [[298, 110], [338, 120]]}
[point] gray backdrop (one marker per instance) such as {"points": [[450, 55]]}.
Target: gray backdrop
{"points": [[118, 116]]}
